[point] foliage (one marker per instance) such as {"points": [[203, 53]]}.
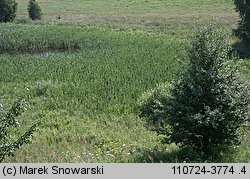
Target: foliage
{"points": [[9, 141], [209, 102], [243, 31], [152, 105], [7, 10], [87, 97], [34, 10]]}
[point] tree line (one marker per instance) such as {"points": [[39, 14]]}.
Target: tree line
{"points": [[8, 10]]}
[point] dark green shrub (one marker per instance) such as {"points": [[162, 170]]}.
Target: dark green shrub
{"points": [[152, 107], [10, 140], [34, 10], [208, 103], [243, 31], [7, 10]]}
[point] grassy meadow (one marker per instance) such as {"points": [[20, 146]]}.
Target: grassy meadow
{"points": [[142, 14], [83, 74]]}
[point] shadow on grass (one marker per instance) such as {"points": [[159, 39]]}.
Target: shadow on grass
{"points": [[187, 155], [242, 49], [177, 155]]}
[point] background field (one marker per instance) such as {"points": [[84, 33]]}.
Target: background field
{"points": [[83, 74], [144, 14]]}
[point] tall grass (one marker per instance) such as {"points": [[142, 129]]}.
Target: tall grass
{"points": [[37, 38], [87, 97], [111, 69]]}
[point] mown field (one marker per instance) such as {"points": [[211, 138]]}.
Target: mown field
{"points": [[142, 14], [84, 79]]}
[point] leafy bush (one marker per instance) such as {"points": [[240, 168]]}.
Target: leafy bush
{"points": [[152, 105], [9, 141], [7, 10], [34, 10], [243, 31], [209, 102]]}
